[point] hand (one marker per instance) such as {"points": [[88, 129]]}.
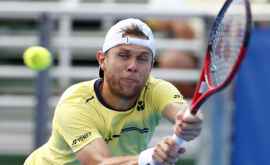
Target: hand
{"points": [[167, 152], [188, 127]]}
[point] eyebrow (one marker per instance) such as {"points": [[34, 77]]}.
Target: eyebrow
{"points": [[124, 49], [127, 50]]}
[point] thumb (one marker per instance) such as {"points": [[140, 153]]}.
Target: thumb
{"points": [[180, 115]]}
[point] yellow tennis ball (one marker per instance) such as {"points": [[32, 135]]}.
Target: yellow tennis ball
{"points": [[37, 58]]}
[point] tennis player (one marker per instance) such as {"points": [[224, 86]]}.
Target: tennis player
{"points": [[110, 120]]}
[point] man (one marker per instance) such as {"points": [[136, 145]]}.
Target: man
{"points": [[110, 120]]}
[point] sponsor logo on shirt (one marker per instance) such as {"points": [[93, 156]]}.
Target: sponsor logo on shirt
{"points": [[81, 138], [177, 96], [140, 106]]}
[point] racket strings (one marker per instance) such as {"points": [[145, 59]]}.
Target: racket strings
{"points": [[226, 44]]}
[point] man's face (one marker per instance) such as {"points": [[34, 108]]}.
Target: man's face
{"points": [[126, 69]]}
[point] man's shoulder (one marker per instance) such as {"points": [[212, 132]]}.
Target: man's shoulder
{"points": [[153, 82], [79, 90], [159, 87], [82, 85], [76, 102]]}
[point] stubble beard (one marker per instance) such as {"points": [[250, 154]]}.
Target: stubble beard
{"points": [[122, 92]]}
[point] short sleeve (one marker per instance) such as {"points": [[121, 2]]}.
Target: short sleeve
{"points": [[77, 124], [164, 93]]}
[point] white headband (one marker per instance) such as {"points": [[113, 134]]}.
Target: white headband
{"points": [[115, 37]]}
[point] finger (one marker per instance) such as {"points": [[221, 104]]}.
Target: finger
{"points": [[179, 116], [190, 133], [160, 152], [191, 130], [166, 146], [179, 130], [165, 150], [189, 126], [176, 155], [191, 120], [170, 142], [188, 137], [157, 159], [173, 149]]}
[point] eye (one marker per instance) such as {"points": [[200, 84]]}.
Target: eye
{"points": [[144, 58], [123, 55]]}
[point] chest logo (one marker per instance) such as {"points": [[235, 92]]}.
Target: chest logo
{"points": [[140, 106]]}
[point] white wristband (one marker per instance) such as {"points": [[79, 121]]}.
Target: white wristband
{"points": [[145, 157]]}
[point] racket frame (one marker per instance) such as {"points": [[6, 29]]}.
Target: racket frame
{"points": [[205, 82]]}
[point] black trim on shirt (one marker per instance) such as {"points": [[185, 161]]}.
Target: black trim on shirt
{"points": [[140, 130], [97, 84], [127, 129]]}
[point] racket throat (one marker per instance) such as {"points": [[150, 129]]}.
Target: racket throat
{"points": [[197, 98], [203, 87]]}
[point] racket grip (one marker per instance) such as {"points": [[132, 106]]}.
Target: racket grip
{"points": [[145, 158], [179, 141]]}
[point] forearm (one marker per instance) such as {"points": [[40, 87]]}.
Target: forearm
{"points": [[172, 109], [120, 160], [97, 153]]}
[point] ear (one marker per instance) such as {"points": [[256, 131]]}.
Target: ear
{"points": [[100, 56]]}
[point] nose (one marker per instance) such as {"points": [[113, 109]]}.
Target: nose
{"points": [[132, 65]]}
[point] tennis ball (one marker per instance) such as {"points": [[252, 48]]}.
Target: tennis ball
{"points": [[37, 58]]}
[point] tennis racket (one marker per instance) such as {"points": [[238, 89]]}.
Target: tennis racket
{"points": [[227, 45]]}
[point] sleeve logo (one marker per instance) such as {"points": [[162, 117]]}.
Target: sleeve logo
{"points": [[81, 138], [177, 96]]}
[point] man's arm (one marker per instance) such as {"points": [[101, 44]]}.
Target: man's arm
{"points": [[172, 109], [186, 127], [97, 153]]}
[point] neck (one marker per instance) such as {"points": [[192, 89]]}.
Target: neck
{"points": [[116, 102]]}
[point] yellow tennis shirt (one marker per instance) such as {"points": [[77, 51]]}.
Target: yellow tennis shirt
{"points": [[82, 115]]}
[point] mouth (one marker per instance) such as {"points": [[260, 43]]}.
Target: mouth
{"points": [[130, 80]]}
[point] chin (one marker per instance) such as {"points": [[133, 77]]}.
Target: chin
{"points": [[130, 94]]}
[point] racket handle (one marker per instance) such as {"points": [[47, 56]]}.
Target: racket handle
{"points": [[179, 141], [145, 158]]}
